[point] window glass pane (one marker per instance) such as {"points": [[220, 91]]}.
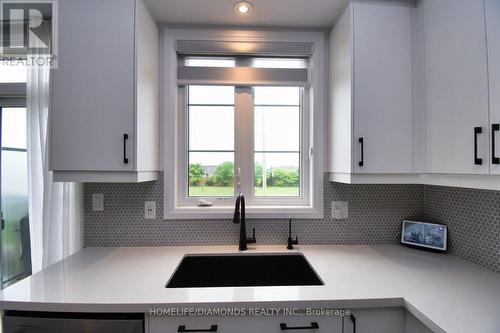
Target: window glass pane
{"points": [[219, 95], [209, 62], [277, 95], [277, 134], [12, 72], [211, 174], [211, 128], [279, 63], [15, 209], [14, 128], [277, 174], [277, 128]]}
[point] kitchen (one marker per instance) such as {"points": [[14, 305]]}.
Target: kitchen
{"points": [[218, 166]]}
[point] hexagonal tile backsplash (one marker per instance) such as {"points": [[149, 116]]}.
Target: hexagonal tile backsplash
{"points": [[473, 219], [375, 214]]}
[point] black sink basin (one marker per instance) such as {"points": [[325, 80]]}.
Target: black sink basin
{"points": [[244, 271]]}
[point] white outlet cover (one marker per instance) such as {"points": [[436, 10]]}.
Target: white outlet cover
{"points": [[150, 210], [340, 210], [97, 202]]}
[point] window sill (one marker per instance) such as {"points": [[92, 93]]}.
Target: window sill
{"points": [[252, 212]]}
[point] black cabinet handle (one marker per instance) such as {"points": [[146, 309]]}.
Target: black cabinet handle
{"points": [[353, 321], [362, 161], [494, 128], [125, 138], [212, 328], [477, 160], [314, 326]]}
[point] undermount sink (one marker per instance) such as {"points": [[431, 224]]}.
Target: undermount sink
{"points": [[243, 270]]}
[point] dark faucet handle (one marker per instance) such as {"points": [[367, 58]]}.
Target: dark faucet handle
{"points": [[252, 240], [292, 242]]}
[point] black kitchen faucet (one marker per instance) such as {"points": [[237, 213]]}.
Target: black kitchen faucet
{"points": [[239, 217]]}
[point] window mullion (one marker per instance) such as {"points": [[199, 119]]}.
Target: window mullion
{"points": [[244, 139]]}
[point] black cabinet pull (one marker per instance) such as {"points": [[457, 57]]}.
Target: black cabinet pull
{"points": [[212, 328], [494, 128], [125, 138], [477, 160], [362, 161], [353, 321], [314, 326]]}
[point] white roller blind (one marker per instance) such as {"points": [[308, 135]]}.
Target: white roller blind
{"points": [[193, 47], [210, 63], [243, 76]]}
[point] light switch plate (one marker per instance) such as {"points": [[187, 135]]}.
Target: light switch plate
{"points": [[150, 210], [340, 210], [97, 202]]}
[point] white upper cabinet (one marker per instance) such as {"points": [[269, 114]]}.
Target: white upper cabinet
{"points": [[415, 93], [493, 41], [105, 103], [456, 87], [371, 91], [382, 88]]}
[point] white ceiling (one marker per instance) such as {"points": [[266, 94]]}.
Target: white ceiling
{"points": [[266, 13]]}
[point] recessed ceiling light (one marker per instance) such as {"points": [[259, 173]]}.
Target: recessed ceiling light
{"points": [[243, 7]]}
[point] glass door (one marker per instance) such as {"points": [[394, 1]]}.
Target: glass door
{"points": [[15, 252], [15, 235]]}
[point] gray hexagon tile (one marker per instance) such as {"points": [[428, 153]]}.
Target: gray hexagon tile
{"points": [[473, 219], [375, 214]]}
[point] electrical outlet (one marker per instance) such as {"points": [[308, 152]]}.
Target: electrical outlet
{"points": [[340, 210], [150, 210], [97, 202]]}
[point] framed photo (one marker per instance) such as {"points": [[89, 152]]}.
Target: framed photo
{"points": [[429, 236]]}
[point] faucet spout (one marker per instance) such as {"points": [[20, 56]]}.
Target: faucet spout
{"points": [[239, 217], [243, 227]]}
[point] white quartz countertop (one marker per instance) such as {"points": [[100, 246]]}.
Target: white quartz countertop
{"points": [[447, 293]]}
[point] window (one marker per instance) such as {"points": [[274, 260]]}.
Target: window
{"points": [[14, 195], [277, 146], [269, 158], [243, 122], [209, 62], [275, 143], [211, 141], [11, 72], [279, 63], [15, 241]]}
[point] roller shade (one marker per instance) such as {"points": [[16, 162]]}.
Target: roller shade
{"points": [[193, 47], [243, 76], [240, 63]]}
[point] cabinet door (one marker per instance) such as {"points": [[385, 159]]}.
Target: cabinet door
{"points": [[456, 86], [493, 41], [93, 86], [166, 324], [413, 325], [286, 323], [247, 324], [382, 87], [388, 320]]}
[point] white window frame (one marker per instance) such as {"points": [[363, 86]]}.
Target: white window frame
{"points": [[174, 118]]}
